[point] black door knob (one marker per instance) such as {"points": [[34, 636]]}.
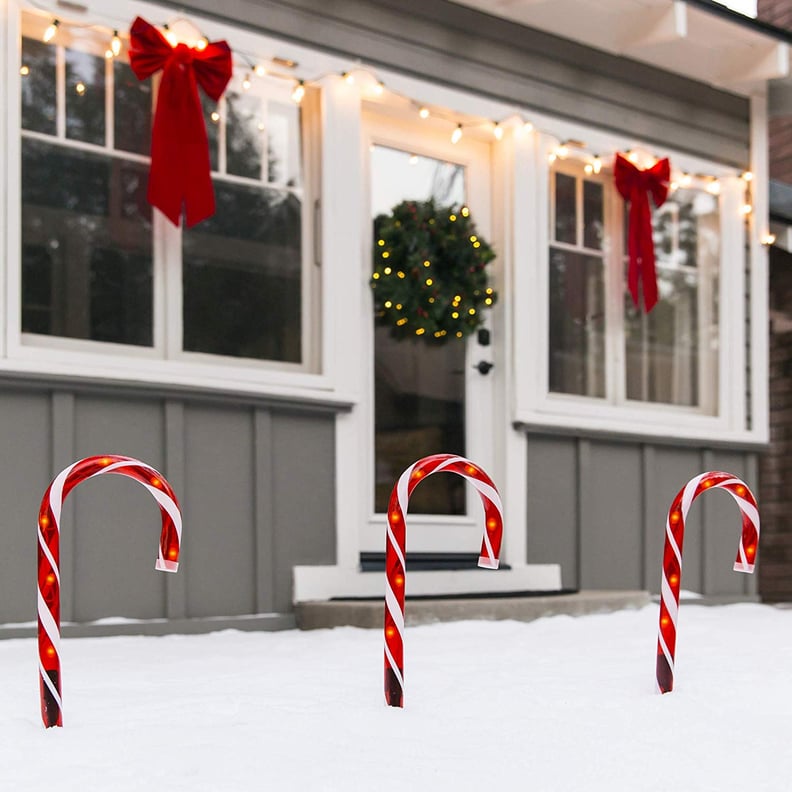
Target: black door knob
{"points": [[484, 366]]}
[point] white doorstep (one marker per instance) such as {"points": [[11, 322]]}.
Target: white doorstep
{"points": [[327, 582]]}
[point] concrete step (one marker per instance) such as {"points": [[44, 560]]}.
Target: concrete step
{"points": [[314, 615]]}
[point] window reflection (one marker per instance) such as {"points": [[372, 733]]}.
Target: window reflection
{"points": [[242, 276], [577, 323], [244, 128], [37, 73], [85, 97], [86, 246], [669, 350], [132, 110]]}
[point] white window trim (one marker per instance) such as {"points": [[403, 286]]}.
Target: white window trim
{"points": [[315, 378], [536, 406]]}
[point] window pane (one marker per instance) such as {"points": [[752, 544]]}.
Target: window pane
{"points": [[132, 114], [37, 72], [86, 246], [565, 214], [577, 323], [419, 391], [242, 276], [212, 120], [671, 353], [662, 346], [244, 130], [283, 144], [85, 97], [592, 215]]}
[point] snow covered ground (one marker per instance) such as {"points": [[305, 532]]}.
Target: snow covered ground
{"points": [[561, 704]]}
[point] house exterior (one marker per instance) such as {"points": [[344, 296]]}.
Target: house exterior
{"points": [[240, 358]]}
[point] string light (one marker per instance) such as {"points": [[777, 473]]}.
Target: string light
{"points": [[714, 187], [768, 239], [685, 180], [299, 92], [80, 88], [24, 70], [747, 176], [423, 112], [170, 35], [349, 78], [413, 159], [115, 44], [746, 209], [260, 70], [633, 156], [497, 131], [456, 135], [202, 44], [379, 88], [527, 127], [246, 83], [51, 31]]}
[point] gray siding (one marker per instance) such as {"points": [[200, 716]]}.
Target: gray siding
{"points": [[598, 507], [255, 481], [459, 46]]}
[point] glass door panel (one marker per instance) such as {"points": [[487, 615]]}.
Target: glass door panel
{"points": [[419, 391]]}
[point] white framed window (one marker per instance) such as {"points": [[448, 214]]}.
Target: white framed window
{"points": [[99, 279], [588, 358]]}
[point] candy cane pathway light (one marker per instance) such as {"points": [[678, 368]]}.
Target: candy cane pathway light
{"points": [[49, 556], [395, 552], [672, 558]]}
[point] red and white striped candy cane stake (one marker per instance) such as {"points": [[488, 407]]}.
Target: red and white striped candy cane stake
{"points": [[672, 558], [49, 557], [394, 552]]}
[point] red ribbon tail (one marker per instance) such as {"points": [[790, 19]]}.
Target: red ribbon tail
{"points": [[649, 280]]}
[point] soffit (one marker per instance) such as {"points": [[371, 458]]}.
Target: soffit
{"points": [[677, 36]]}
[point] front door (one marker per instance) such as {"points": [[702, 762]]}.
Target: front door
{"points": [[428, 399]]}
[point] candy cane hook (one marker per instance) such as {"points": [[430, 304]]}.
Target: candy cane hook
{"points": [[49, 556], [672, 558], [394, 552]]}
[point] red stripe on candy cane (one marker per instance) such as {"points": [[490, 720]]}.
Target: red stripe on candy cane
{"points": [[395, 552], [49, 558], [671, 582]]}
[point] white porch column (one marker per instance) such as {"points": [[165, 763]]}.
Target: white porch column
{"points": [[342, 239]]}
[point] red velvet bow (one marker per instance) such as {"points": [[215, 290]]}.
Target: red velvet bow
{"points": [[180, 168], [634, 186]]}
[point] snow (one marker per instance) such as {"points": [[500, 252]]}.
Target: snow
{"points": [[562, 703]]}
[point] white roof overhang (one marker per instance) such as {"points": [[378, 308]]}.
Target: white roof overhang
{"points": [[698, 39]]}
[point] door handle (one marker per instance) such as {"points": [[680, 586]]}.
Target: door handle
{"points": [[484, 366]]}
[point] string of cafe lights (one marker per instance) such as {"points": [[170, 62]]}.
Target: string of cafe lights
{"points": [[279, 68]]}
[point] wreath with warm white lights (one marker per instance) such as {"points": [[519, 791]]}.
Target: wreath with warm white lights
{"points": [[430, 280]]}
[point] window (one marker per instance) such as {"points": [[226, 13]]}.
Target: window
{"points": [[96, 262], [599, 344]]}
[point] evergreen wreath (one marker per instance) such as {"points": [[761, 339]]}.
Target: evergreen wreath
{"points": [[430, 281]]}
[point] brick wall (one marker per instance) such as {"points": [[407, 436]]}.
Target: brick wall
{"points": [[775, 474]]}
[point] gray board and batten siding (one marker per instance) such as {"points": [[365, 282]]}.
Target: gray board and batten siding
{"points": [[457, 46], [598, 507], [256, 482]]}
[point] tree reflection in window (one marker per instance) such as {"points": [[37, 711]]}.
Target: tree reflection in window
{"points": [[242, 276], [86, 246]]}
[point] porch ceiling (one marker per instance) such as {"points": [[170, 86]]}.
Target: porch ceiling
{"points": [[699, 39]]}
